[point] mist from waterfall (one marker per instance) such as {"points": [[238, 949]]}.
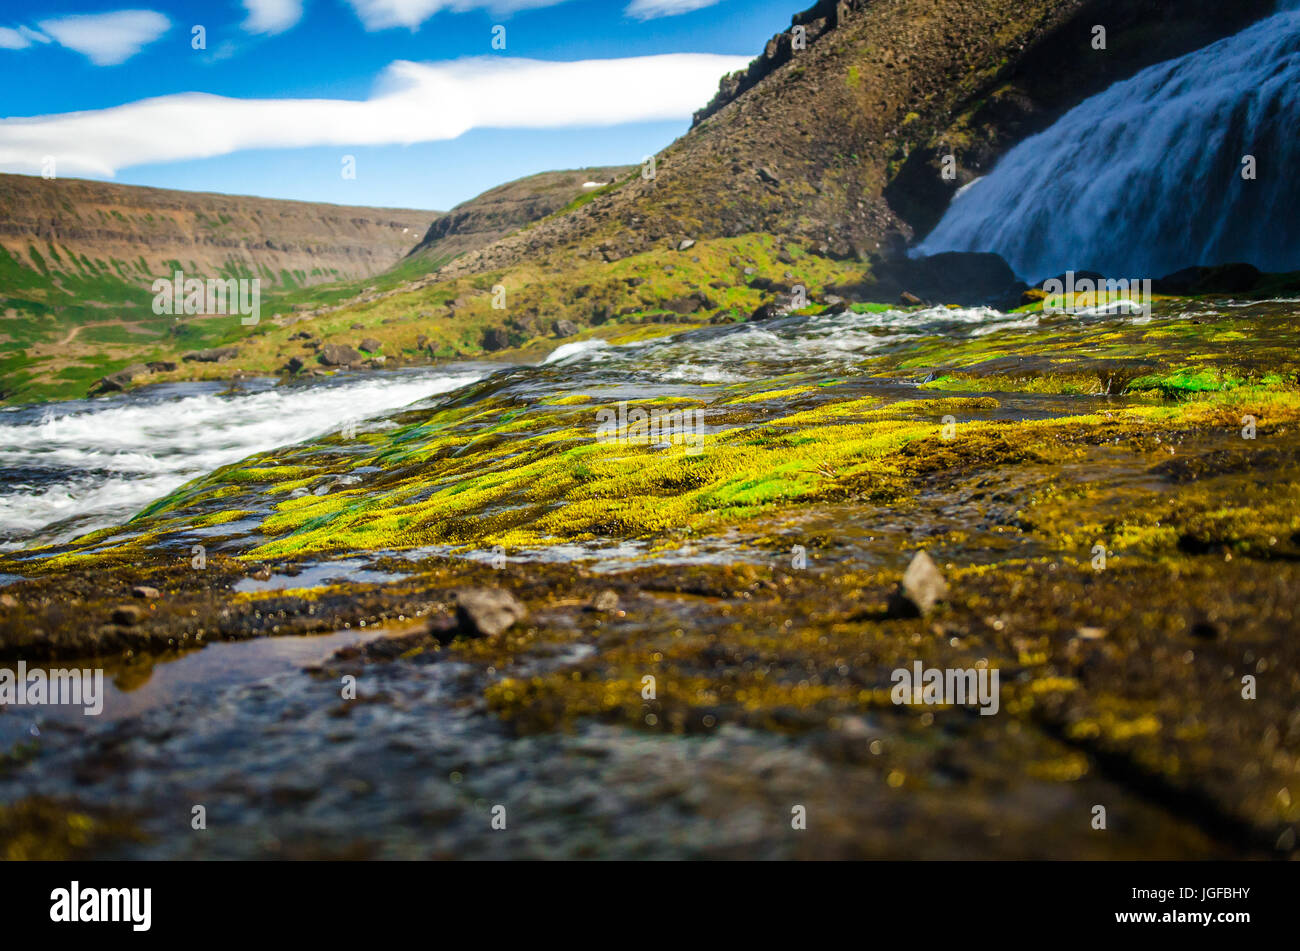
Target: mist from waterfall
{"points": [[1147, 177]]}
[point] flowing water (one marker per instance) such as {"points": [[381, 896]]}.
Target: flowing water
{"points": [[72, 467], [1147, 177], [256, 732]]}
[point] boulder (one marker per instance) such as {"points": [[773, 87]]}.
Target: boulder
{"points": [[921, 588], [1224, 279], [371, 345], [494, 338], [338, 355], [128, 615], [969, 279], [564, 328], [215, 355], [486, 612], [684, 305], [606, 602]]}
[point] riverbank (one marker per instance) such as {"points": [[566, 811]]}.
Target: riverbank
{"points": [[1089, 487]]}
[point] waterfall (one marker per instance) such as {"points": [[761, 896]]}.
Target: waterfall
{"points": [[1148, 176]]}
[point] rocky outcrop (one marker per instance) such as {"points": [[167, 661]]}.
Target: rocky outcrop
{"points": [[805, 29]]}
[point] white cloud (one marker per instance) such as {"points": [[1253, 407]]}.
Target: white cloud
{"points": [[12, 39], [384, 14], [20, 38], [271, 16], [108, 38], [413, 102], [651, 9]]}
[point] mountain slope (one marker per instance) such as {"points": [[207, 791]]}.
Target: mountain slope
{"points": [[139, 234], [839, 143], [506, 208]]}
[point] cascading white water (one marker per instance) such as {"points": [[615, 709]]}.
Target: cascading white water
{"points": [[1147, 177]]}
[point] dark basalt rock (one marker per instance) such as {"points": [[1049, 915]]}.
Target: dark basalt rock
{"points": [[970, 279]]}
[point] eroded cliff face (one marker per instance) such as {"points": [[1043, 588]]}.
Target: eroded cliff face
{"points": [[140, 234], [837, 140]]}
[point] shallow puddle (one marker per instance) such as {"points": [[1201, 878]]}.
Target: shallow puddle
{"points": [[130, 689]]}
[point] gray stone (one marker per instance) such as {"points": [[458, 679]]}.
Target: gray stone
{"points": [[921, 588], [215, 355], [487, 611], [606, 602], [338, 355]]}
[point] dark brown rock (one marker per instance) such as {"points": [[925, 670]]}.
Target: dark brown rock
{"points": [[338, 355]]}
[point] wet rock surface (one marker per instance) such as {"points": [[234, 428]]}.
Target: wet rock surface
{"points": [[710, 637]]}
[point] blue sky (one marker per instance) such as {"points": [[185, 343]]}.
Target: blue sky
{"points": [[412, 90]]}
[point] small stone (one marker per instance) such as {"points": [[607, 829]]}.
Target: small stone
{"points": [[262, 574], [146, 592], [8, 601], [606, 601], [128, 615], [1090, 633], [1286, 841], [922, 586], [487, 611], [371, 345], [909, 299], [686, 245]]}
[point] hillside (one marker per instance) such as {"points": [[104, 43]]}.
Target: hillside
{"points": [[506, 208], [77, 259], [139, 234], [838, 144], [803, 166]]}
